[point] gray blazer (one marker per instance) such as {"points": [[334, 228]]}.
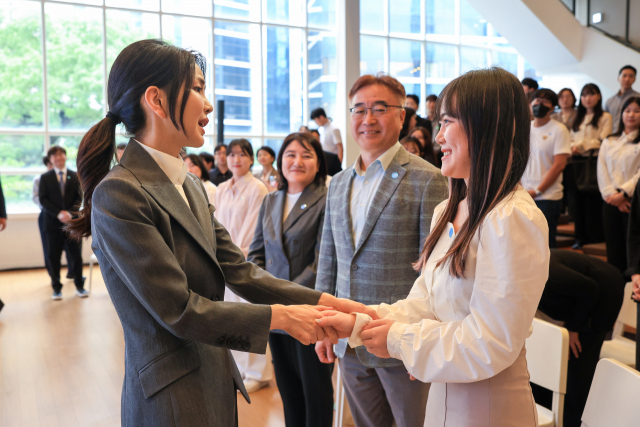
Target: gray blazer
{"points": [[378, 268], [165, 267]]}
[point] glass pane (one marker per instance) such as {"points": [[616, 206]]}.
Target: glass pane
{"points": [[193, 33], [471, 22], [91, 2], [237, 62], [435, 89], [441, 61], [323, 72], [472, 58], [245, 10], [21, 83], [405, 57], [75, 73], [404, 16], [508, 61], [441, 17], [372, 54], [188, 7], [529, 71], [283, 88], [285, 12], [135, 4], [413, 89], [322, 13], [372, 17], [124, 28], [69, 143], [207, 147], [18, 193], [21, 151], [274, 144]]}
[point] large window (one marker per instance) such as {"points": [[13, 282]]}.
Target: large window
{"points": [[271, 61], [427, 43]]}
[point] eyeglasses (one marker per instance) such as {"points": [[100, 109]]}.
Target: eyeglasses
{"points": [[376, 110]]}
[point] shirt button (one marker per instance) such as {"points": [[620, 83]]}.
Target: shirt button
{"points": [[270, 261], [361, 204], [354, 267], [366, 182]]}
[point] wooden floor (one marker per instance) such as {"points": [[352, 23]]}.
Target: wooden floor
{"points": [[62, 362]]}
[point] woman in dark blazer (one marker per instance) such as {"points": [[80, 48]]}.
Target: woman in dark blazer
{"points": [[286, 244]]}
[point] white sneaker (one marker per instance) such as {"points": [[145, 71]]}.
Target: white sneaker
{"points": [[254, 385]]}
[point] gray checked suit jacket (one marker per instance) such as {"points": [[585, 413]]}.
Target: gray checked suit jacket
{"points": [[378, 268], [165, 265]]}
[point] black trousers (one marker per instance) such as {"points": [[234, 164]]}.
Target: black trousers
{"points": [[588, 217], [615, 225], [57, 241], [551, 211], [304, 382], [45, 245]]}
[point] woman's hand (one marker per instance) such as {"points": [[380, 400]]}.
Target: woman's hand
{"points": [[299, 321], [625, 206], [374, 336], [574, 344], [616, 199], [635, 279], [347, 306], [342, 323], [324, 350]]}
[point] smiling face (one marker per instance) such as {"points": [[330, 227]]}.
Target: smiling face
{"points": [[299, 166], [456, 160], [376, 134], [239, 162], [265, 159], [631, 117]]}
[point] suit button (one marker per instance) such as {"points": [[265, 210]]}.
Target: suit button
{"points": [[270, 261], [354, 267], [246, 346]]}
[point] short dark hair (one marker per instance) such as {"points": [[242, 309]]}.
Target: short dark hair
{"points": [[310, 143], [196, 160], [547, 94], [220, 147], [56, 149], [527, 81], [412, 140], [318, 112], [244, 145], [46, 160], [415, 98], [206, 157], [432, 98], [268, 150], [315, 132], [566, 89], [628, 67], [121, 146]]}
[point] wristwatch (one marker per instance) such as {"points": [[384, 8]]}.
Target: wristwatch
{"points": [[538, 192]]}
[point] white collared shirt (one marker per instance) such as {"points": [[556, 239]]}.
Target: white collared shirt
{"points": [[619, 165], [64, 175], [173, 167], [589, 137], [330, 137], [365, 186]]}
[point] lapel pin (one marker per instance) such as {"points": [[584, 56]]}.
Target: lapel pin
{"points": [[394, 175], [451, 232], [303, 207]]}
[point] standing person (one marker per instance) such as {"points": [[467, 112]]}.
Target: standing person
{"points": [[377, 217], [590, 127], [41, 219], [207, 159], [409, 122], [550, 150], [530, 86], [164, 256], [221, 173], [196, 166], [633, 251], [3, 221], [618, 174], [269, 175], [330, 136], [431, 116], [483, 267], [60, 197], [430, 152], [413, 102], [286, 244], [626, 78], [238, 202], [567, 103]]}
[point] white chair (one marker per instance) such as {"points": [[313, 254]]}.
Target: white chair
{"points": [[620, 348], [92, 260], [547, 360], [613, 397]]}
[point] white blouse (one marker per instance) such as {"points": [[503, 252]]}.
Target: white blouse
{"points": [[588, 137], [619, 165], [211, 189], [470, 329]]}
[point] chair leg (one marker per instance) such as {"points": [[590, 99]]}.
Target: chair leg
{"points": [[90, 275], [340, 396]]}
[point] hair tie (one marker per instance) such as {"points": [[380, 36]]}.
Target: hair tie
{"points": [[114, 118]]}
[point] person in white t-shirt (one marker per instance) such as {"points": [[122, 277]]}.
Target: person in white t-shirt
{"points": [[550, 150], [330, 137]]}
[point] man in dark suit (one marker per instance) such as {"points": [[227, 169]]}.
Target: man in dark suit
{"points": [[61, 198], [3, 220]]}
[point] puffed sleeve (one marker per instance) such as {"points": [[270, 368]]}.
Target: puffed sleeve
{"points": [[511, 271], [605, 183]]}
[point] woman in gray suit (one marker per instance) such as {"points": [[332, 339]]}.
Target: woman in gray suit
{"points": [[164, 257], [286, 243]]}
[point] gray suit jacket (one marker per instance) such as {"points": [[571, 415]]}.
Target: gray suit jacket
{"points": [[378, 268], [165, 267]]}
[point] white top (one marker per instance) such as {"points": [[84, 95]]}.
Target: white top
{"points": [[546, 142], [64, 174], [173, 167], [330, 137], [619, 165], [210, 188], [36, 191], [364, 187], [289, 203], [470, 329], [589, 137]]}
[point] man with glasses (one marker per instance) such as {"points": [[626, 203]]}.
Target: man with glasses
{"points": [[378, 215]]}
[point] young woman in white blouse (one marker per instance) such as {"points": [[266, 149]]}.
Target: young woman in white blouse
{"points": [[483, 267], [618, 174], [195, 165], [590, 127]]}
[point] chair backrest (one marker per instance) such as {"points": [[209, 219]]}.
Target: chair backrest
{"points": [[628, 314], [548, 356], [613, 398]]}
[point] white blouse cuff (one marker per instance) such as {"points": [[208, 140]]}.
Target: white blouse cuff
{"points": [[362, 320], [394, 339]]}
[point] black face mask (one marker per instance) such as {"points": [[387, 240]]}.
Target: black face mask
{"points": [[540, 110]]}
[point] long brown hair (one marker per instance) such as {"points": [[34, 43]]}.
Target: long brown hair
{"points": [[140, 65], [494, 113]]}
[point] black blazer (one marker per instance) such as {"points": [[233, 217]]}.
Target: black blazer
{"points": [[3, 207], [333, 163], [52, 200], [290, 251]]}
